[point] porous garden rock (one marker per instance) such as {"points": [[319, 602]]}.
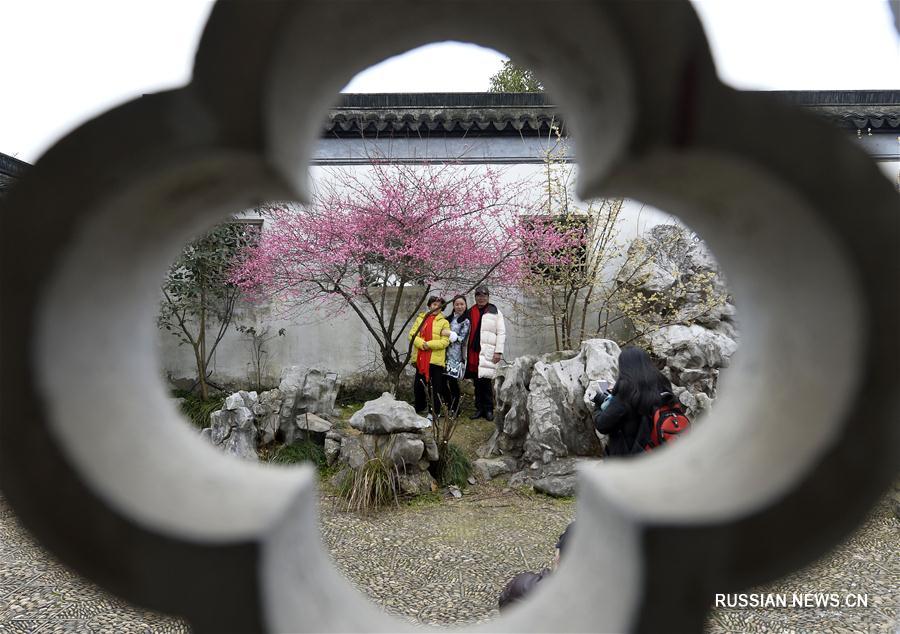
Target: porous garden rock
{"points": [[387, 415], [490, 468], [695, 330], [559, 421], [406, 449], [234, 401], [267, 410], [416, 483], [557, 486], [431, 448], [511, 406], [352, 452], [556, 478], [305, 390], [332, 451], [234, 432], [692, 348], [541, 412], [669, 258], [312, 424], [250, 398]]}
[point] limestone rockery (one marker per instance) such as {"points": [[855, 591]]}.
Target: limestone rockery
{"points": [[302, 407], [544, 407], [298, 408]]}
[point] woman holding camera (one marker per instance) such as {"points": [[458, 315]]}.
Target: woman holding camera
{"points": [[626, 412]]}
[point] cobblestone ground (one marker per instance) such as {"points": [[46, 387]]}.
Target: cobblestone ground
{"points": [[38, 594], [445, 562], [867, 564]]}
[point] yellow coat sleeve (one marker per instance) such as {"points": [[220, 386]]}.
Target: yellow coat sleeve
{"points": [[418, 341], [439, 342]]}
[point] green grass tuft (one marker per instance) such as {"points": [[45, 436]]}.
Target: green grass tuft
{"points": [[371, 487], [197, 410], [454, 467], [302, 451]]}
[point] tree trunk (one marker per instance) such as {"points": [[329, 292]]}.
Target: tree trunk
{"points": [[394, 369], [201, 374], [201, 341]]}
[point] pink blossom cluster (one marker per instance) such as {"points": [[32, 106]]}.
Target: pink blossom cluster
{"points": [[442, 226]]}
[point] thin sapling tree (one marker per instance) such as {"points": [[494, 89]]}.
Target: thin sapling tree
{"points": [[198, 300]]}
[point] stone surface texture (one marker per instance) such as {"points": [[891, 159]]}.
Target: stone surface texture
{"points": [[248, 420], [387, 415], [541, 413], [304, 390], [695, 336], [234, 432], [268, 415], [489, 468]]}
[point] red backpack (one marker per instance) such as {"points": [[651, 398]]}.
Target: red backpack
{"points": [[669, 422]]}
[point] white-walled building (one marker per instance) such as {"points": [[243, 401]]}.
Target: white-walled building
{"points": [[510, 132]]}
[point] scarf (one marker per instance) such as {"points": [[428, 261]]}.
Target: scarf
{"points": [[423, 358], [474, 339]]}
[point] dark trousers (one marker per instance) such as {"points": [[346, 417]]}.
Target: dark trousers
{"points": [[436, 386], [452, 384], [484, 395]]}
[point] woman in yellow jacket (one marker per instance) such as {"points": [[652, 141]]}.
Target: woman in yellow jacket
{"points": [[430, 357]]}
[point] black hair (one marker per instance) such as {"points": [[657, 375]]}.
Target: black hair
{"points": [[434, 298], [451, 316], [518, 587], [640, 383]]}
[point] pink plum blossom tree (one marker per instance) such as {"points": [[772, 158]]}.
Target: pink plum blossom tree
{"points": [[378, 241]]}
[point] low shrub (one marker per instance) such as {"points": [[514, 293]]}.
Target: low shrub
{"points": [[372, 486], [453, 466]]}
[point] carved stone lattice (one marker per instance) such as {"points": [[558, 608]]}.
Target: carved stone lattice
{"points": [[98, 466]]}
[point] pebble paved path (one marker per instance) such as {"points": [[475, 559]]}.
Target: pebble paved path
{"points": [[445, 562]]}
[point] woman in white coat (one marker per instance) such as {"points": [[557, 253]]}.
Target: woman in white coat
{"points": [[486, 344]]}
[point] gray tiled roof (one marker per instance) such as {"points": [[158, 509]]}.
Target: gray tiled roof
{"points": [[499, 114], [493, 114]]}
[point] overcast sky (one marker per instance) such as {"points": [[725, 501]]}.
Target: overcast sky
{"points": [[65, 61]]}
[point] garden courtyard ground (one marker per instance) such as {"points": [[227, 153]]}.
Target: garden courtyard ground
{"points": [[443, 561]]}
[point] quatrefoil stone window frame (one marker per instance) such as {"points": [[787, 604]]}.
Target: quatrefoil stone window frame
{"points": [[801, 443]]}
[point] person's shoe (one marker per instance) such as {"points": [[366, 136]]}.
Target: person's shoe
{"points": [[489, 415], [478, 414]]}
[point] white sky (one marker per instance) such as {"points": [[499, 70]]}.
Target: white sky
{"points": [[65, 61]]}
